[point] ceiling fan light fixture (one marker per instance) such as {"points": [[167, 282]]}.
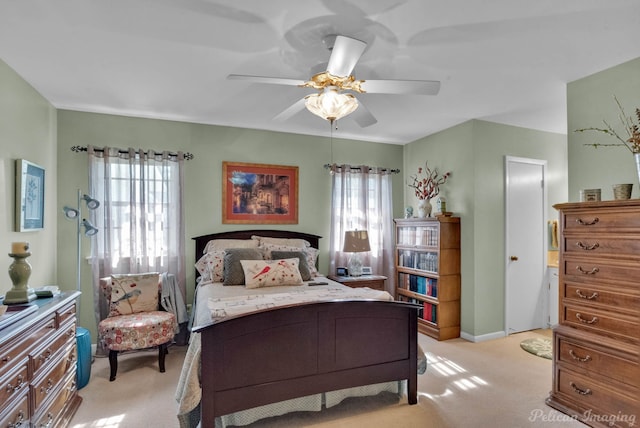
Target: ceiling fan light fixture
{"points": [[330, 104]]}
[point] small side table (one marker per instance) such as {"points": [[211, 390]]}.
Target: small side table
{"points": [[372, 281]]}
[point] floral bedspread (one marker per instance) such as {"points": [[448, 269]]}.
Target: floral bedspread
{"points": [[230, 307]]}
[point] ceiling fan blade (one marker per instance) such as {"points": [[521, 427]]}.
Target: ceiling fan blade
{"points": [[421, 87], [265, 79], [290, 111], [345, 54], [362, 116]]}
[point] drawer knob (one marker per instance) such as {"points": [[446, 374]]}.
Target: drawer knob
{"points": [[577, 358], [593, 271], [18, 421], [584, 296], [46, 355], [580, 390], [587, 247], [11, 388], [48, 388], [587, 223], [49, 421], [6, 359], [582, 320]]}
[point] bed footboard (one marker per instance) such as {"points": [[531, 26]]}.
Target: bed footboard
{"points": [[291, 352]]}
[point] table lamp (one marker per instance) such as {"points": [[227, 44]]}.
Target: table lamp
{"points": [[356, 242]]}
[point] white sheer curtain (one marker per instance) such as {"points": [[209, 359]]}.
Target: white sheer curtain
{"points": [[140, 218], [362, 199]]}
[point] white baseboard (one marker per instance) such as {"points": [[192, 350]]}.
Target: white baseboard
{"points": [[482, 337]]}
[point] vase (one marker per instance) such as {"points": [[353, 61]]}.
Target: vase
{"points": [[424, 208]]}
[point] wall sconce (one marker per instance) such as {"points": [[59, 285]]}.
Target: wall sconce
{"points": [[356, 242]]}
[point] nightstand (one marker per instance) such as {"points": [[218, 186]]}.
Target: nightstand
{"points": [[372, 281]]}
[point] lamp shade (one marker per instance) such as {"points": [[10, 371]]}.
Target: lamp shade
{"points": [[330, 104], [71, 213], [89, 229], [356, 241], [92, 203]]}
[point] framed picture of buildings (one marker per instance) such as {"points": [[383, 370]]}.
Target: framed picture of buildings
{"points": [[259, 193], [29, 196]]}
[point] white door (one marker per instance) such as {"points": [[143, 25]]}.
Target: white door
{"points": [[525, 230]]}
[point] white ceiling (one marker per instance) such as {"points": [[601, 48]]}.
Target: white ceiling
{"points": [[506, 61]]}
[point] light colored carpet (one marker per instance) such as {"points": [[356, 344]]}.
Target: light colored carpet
{"points": [[492, 383]]}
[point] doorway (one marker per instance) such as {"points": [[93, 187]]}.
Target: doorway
{"points": [[525, 243]]}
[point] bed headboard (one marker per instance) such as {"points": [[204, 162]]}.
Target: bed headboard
{"points": [[201, 241]]}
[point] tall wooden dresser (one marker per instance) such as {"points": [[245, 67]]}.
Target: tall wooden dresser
{"points": [[38, 365], [596, 353]]}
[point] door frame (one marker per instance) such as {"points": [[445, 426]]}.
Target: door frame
{"points": [[543, 228]]}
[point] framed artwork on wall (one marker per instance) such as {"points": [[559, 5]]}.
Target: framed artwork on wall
{"points": [[259, 193], [29, 196]]}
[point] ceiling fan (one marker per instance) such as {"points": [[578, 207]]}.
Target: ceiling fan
{"points": [[335, 86]]}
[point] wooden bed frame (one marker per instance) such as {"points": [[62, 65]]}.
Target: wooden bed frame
{"points": [[295, 351]]}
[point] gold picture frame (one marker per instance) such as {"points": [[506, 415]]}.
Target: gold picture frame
{"points": [[259, 193]]}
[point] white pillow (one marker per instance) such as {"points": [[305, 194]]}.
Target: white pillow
{"points": [[268, 273], [211, 266], [223, 244], [290, 242]]}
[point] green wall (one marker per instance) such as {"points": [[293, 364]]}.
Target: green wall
{"points": [[590, 101], [27, 131], [474, 151], [211, 145]]}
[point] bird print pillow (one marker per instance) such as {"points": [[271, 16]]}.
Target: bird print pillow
{"points": [[134, 293], [268, 273]]}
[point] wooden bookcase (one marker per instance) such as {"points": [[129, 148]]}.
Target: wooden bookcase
{"points": [[427, 260]]}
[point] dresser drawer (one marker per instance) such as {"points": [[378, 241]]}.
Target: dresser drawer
{"points": [[13, 383], [612, 246], [48, 384], [602, 400], [611, 324], [583, 269], [40, 356], [600, 360], [13, 351], [17, 412], [66, 313], [604, 296], [600, 220], [49, 414]]}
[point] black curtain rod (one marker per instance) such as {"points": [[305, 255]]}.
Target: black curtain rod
{"points": [[392, 171], [78, 149]]}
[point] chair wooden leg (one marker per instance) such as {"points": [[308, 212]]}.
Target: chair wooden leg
{"points": [[162, 351], [113, 364]]}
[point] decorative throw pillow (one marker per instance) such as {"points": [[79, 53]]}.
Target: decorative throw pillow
{"points": [[310, 252], [268, 273], [211, 266], [289, 242], [223, 244], [303, 266], [134, 293], [233, 273]]}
